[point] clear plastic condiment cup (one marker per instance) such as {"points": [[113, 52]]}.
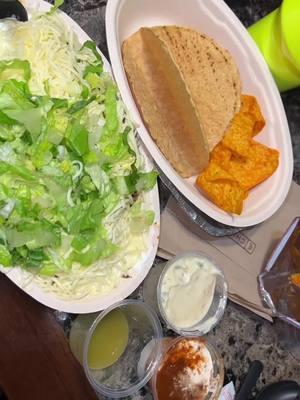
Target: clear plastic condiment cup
{"points": [[122, 378], [217, 307], [217, 374]]}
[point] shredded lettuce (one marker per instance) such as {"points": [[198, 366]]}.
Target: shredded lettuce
{"points": [[57, 4], [71, 176]]}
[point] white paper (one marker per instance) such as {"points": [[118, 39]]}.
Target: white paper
{"points": [[228, 392]]}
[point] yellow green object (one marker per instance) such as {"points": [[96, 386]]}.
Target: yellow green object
{"points": [[276, 36], [290, 25], [109, 340]]}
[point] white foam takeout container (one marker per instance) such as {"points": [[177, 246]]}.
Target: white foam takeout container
{"points": [[138, 271], [214, 18]]}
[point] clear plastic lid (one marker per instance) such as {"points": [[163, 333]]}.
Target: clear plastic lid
{"points": [[218, 297], [137, 325], [191, 366]]}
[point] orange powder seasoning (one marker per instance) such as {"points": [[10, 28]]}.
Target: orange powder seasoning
{"points": [[185, 372]]}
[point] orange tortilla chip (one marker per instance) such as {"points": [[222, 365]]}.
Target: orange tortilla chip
{"points": [[249, 173], [238, 136], [227, 195], [260, 163], [262, 154], [244, 121], [220, 155], [250, 106], [243, 171], [215, 172], [238, 163]]}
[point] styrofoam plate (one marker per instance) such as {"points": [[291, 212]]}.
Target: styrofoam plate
{"points": [[138, 271], [213, 17]]}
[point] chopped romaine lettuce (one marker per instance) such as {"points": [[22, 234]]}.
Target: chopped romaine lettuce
{"points": [[71, 176], [5, 256]]}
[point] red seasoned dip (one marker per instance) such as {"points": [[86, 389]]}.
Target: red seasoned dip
{"points": [[187, 372]]}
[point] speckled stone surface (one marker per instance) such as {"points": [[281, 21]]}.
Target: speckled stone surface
{"points": [[241, 336]]}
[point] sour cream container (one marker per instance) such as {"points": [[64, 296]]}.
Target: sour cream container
{"points": [[192, 294]]}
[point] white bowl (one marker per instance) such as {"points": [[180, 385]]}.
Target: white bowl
{"points": [[213, 17], [138, 271]]}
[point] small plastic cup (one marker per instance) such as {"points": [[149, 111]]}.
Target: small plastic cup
{"points": [[277, 35], [122, 378], [216, 309], [78, 332], [216, 379]]}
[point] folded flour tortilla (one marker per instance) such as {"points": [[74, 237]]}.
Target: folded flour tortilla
{"points": [[164, 102], [210, 74], [187, 89]]}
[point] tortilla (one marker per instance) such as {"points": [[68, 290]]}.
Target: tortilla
{"points": [[210, 74], [164, 102]]}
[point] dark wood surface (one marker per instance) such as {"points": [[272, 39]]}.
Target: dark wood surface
{"points": [[35, 359]]}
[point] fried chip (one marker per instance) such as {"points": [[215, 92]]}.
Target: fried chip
{"points": [[249, 172], [215, 172], [221, 155], [227, 195], [250, 106], [260, 164], [243, 170], [238, 136], [246, 122], [238, 163], [262, 154]]}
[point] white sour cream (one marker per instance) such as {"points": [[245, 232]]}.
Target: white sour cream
{"points": [[187, 290]]}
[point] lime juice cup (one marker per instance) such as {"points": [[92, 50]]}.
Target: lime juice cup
{"points": [[123, 378], [278, 35]]}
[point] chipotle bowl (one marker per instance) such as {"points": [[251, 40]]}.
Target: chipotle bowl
{"points": [[216, 20]]}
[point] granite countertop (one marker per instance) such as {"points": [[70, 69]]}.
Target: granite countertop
{"points": [[241, 336]]}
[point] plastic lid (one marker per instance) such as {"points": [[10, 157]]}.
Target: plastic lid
{"points": [[219, 300], [124, 378], [205, 362]]}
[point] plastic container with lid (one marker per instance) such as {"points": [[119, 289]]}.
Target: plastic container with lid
{"points": [[192, 294], [277, 36], [190, 369], [119, 377]]}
